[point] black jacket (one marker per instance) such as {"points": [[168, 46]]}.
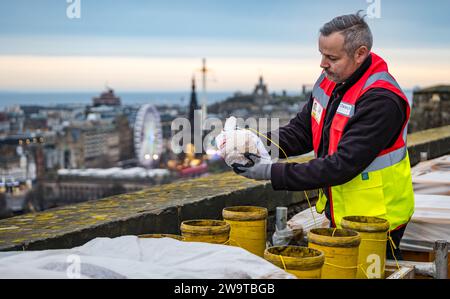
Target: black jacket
{"points": [[377, 122]]}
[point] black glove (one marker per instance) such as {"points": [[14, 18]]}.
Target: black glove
{"points": [[256, 168]]}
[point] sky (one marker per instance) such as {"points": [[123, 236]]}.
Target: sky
{"points": [[153, 45]]}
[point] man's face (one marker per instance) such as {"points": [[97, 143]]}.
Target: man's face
{"points": [[338, 65]]}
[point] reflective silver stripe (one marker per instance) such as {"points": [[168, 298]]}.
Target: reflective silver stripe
{"points": [[319, 93], [387, 160], [321, 77], [385, 76], [405, 132], [410, 101], [321, 96]]}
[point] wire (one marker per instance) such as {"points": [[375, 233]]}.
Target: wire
{"points": [[287, 158], [391, 243]]}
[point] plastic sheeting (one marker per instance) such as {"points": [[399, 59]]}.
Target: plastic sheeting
{"points": [[430, 222], [431, 219], [308, 219], [131, 257], [282, 237], [432, 177]]}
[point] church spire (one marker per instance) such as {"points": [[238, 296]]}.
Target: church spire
{"points": [[193, 105]]}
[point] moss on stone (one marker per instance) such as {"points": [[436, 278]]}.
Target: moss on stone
{"points": [[29, 228]]}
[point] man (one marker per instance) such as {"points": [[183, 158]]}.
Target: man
{"points": [[355, 121]]}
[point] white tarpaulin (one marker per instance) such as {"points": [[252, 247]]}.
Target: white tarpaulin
{"points": [[131, 257], [432, 177], [307, 220], [430, 222], [431, 219]]}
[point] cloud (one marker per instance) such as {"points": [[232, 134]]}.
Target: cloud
{"points": [[411, 67], [145, 73]]}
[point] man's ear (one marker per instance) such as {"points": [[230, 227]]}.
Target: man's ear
{"points": [[361, 54]]}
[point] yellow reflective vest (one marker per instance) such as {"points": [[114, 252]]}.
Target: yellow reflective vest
{"points": [[384, 189]]}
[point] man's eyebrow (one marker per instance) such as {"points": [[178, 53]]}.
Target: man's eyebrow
{"points": [[329, 55]]}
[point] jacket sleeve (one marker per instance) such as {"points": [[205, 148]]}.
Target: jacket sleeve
{"points": [[296, 137], [377, 122]]}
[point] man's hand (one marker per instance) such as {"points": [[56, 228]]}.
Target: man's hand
{"points": [[256, 168]]}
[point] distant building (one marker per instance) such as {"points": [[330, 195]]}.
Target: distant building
{"points": [[195, 126], [261, 93], [78, 185], [107, 98], [193, 106], [261, 104], [126, 142], [21, 166], [307, 90], [16, 119], [36, 122], [91, 144], [431, 108], [244, 105], [4, 124]]}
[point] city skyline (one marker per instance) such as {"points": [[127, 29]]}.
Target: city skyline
{"points": [[155, 46]]}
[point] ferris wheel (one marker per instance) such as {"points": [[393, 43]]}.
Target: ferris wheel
{"points": [[148, 141]]}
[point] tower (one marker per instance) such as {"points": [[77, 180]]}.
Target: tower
{"points": [[261, 88], [107, 98], [204, 70], [196, 126], [193, 105]]}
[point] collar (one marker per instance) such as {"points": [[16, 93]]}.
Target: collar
{"points": [[341, 88]]}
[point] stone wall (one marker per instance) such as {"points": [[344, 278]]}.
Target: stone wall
{"points": [[161, 209], [431, 108]]}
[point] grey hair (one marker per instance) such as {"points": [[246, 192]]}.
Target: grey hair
{"points": [[354, 29]]}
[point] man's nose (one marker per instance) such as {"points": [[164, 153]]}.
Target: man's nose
{"points": [[324, 63]]}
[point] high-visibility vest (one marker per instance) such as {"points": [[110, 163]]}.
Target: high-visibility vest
{"points": [[384, 189]]}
